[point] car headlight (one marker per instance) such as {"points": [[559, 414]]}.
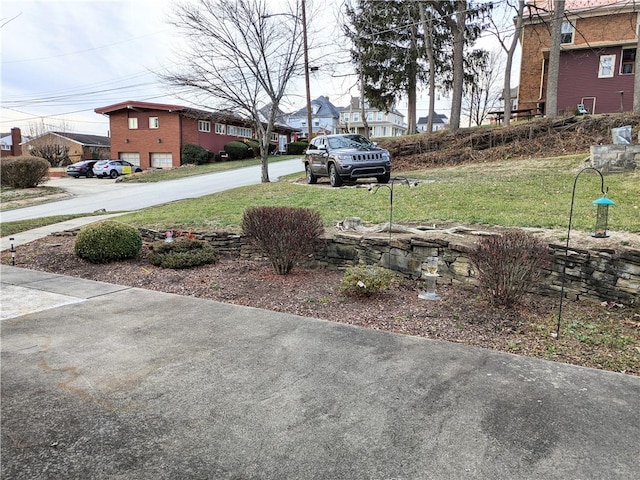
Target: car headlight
{"points": [[341, 157]]}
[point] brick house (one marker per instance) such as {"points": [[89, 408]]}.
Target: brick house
{"points": [[10, 143], [71, 147], [153, 134], [597, 56]]}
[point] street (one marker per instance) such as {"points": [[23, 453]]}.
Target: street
{"points": [[94, 194]]}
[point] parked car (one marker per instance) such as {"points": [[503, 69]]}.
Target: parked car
{"points": [[78, 169], [346, 157], [114, 168]]}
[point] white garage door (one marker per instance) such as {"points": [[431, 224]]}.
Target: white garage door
{"points": [[161, 160], [130, 157]]}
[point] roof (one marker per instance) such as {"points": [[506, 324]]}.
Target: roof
{"points": [[591, 7], [325, 108], [135, 105], [437, 118], [84, 139]]}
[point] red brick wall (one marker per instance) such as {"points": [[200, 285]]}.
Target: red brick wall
{"points": [[145, 140]]}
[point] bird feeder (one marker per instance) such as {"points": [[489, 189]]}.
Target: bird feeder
{"points": [[600, 230]]}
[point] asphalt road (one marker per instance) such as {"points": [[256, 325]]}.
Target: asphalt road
{"points": [[95, 194]]}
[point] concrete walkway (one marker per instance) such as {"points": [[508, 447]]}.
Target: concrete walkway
{"points": [[104, 381]]}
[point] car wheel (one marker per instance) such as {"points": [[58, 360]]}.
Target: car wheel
{"points": [[138, 170], [89, 174], [334, 178], [113, 174], [384, 178], [311, 178]]}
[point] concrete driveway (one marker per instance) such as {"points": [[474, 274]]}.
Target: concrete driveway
{"points": [[104, 381]]}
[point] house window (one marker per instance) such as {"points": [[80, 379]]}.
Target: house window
{"points": [[356, 117], [370, 116], [379, 116], [153, 122], [275, 137], [345, 117], [221, 129], [244, 132], [605, 68], [204, 126], [133, 123], [628, 61], [316, 123], [566, 32]]}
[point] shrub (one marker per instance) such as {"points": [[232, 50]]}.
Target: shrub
{"points": [[23, 172], [297, 148], [237, 150], [283, 234], [107, 241], [195, 154], [365, 280], [254, 148], [183, 252], [509, 265]]}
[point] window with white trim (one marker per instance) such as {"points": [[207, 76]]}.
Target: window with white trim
{"points": [[370, 116], [605, 66], [275, 137], [204, 126], [379, 116], [356, 116], [153, 122], [345, 116], [133, 123], [221, 129], [566, 32]]}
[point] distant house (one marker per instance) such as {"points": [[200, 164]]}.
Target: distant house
{"points": [[597, 55], [10, 143], [324, 117], [153, 134], [69, 147], [381, 124], [440, 121]]}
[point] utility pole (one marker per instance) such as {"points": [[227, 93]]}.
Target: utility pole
{"points": [[306, 69]]}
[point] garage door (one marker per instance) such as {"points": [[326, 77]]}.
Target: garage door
{"points": [[130, 157], [161, 160]]}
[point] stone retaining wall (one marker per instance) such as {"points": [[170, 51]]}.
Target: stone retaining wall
{"points": [[595, 274], [615, 158]]}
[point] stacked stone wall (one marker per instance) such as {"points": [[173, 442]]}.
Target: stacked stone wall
{"points": [[595, 274]]}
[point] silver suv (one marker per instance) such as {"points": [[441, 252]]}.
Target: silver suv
{"points": [[346, 157]]}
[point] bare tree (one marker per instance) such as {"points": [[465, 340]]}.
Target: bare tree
{"points": [[554, 59], [483, 93], [45, 144], [239, 56], [508, 41]]}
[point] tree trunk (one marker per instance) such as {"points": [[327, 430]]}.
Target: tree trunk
{"points": [[458, 27], [554, 60], [636, 82], [428, 46], [507, 69]]}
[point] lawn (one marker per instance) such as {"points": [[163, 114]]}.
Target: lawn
{"points": [[517, 193]]}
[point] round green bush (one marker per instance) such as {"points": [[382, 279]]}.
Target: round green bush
{"points": [[297, 148], [107, 241], [183, 252], [237, 150], [23, 172]]}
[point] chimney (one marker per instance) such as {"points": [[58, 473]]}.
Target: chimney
{"points": [[16, 140]]}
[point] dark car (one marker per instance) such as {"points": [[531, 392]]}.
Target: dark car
{"points": [[346, 157], [83, 168], [114, 168]]}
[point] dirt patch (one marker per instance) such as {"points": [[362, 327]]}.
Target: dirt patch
{"points": [[605, 336]]}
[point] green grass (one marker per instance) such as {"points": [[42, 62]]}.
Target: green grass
{"points": [[526, 193], [517, 193], [190, 170], [30, 196], [11, 228]]}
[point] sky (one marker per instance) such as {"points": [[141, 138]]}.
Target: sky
{"points": [[61, 59]]}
